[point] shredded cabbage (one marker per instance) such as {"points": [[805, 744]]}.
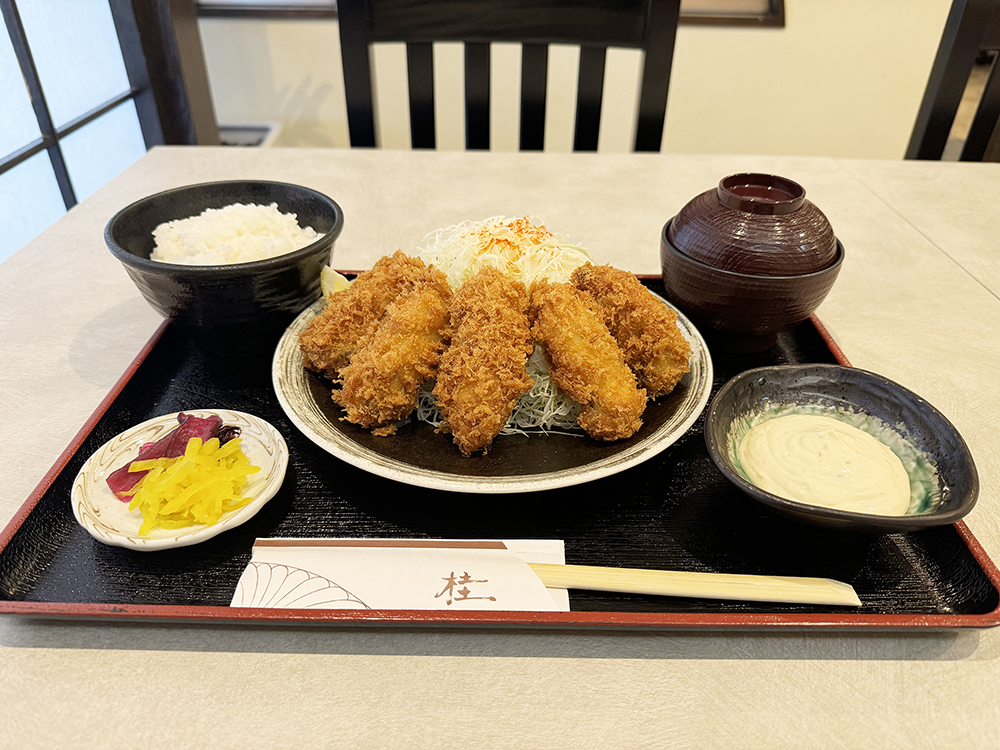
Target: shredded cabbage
{"points": [[523, 248], [542, 409], [527, 251]]}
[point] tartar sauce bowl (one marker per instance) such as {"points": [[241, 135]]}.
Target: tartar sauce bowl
{"points": [[938, 462]]}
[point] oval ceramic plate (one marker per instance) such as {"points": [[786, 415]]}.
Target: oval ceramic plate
{"points": [[109, 520], [419, 456]]}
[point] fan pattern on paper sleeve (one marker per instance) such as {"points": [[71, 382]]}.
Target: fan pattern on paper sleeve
{"points": [[272, 585]]}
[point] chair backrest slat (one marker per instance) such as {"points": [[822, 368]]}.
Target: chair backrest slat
{"points": [[615, 23], [589, 95], [352, 16], [477, 95], [420, 76], [662, 33], [534, 77], [982, 144]]}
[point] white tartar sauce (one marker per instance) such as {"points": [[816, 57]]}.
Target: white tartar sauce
{"points": [[822, 461]]}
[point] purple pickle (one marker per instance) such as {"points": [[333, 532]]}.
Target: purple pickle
{"points": [[171, 445]]}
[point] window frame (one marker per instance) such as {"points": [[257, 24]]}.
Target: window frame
{"points": [[154, 41]]}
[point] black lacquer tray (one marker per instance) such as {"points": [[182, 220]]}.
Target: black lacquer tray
{"points": [[675, 511]]}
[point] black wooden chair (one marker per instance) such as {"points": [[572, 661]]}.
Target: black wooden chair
{"points": [[595, 25], [971, 33]]}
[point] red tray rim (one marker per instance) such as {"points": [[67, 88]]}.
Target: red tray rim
{"points": [[845, 620]]}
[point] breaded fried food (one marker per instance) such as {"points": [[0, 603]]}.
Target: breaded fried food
{"points": [[392, 360], [585, 361], [645, 328], [330, 338], [482, 372]]}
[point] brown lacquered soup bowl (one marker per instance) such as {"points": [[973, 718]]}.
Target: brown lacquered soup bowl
{"points": [[757, 224], [745, 311]]}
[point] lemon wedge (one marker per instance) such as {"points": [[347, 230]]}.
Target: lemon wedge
{"points": [[332, 282]]}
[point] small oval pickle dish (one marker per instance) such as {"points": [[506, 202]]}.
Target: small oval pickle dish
{"points": [[109, 520]]}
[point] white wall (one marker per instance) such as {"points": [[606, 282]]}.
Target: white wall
{"points": [[842, 78]]}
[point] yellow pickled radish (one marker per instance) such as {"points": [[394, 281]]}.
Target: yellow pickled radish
{"points": [[197, 487]]}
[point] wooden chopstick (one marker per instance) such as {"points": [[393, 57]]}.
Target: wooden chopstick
{"points": [[786, 589]]}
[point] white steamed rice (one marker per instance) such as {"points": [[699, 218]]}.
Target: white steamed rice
{"points": [[238, 233]]}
